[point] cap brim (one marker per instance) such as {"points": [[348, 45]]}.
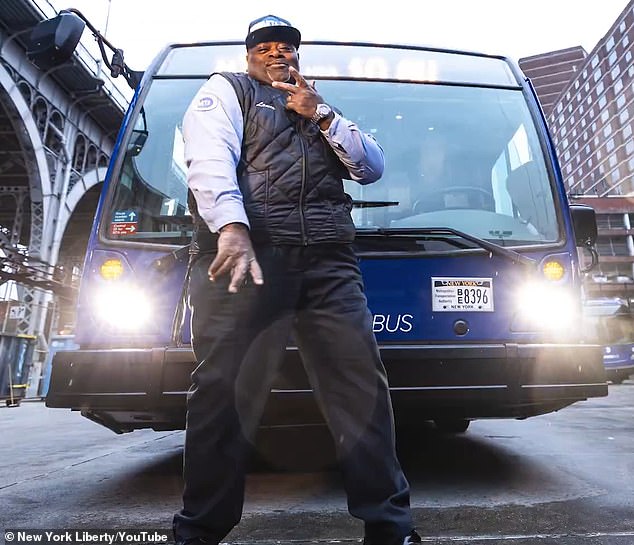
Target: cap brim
{"points": [[286, 34]]}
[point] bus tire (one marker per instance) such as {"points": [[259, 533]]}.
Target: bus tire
{"points": [[451, 425]]}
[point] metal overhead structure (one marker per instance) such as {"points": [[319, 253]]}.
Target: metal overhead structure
{"points": [[57, 131]]}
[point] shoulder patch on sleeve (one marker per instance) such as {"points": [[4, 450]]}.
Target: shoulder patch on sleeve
{"points": [[206, 103]]}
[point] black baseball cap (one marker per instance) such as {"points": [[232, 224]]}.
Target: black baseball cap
{"points": [[272, 29]]}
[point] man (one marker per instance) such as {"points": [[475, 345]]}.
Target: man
{"points": [[266, 159]]}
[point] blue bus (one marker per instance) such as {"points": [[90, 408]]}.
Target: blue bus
{"points": [[468, 246], [610, 323]]}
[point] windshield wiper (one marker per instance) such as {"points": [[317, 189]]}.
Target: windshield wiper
{"points": [[372, 204], [492, 247]]}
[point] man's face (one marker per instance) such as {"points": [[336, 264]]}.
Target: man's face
{"points": [[269, 61]]}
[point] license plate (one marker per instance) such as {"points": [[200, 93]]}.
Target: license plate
{"points": [[450, 294]]}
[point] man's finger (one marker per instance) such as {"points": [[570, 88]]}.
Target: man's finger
{"points": [[299, 79], [220, 265], [238, 275], [288, 87], [256, 272]]}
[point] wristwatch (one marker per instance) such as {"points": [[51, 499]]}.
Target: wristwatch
{"points": [[321, 112]]}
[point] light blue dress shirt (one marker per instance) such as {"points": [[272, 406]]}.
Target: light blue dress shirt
{"points": [[213, 130]]}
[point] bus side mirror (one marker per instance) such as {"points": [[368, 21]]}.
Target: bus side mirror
{"points": [[52, 42], [584, 222], [137, 141]]}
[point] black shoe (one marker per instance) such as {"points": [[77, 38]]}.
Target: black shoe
{"points": [[193, 541], [409, 539], [413, 537]]}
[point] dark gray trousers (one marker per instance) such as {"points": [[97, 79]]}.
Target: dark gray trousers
{"points": [[316, 292]]}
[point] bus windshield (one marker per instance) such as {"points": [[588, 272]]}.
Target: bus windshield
{"points": [[461, 156]]}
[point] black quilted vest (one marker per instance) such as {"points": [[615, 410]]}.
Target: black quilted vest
{"points": [[290, 178]]}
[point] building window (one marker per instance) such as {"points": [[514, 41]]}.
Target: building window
{"points": [[609, 44], [624, 116], [629, 147], [627, 131], [568, 95], [595, 61], [630, 164], [620, 102], [615, 176], [616, 71], [628, 57], [618, 86], [626, 41], [622, 27], [561, 119], [586, 87], [560, 108], [612, 161], [568, 169], [612, 58], [583, 123], [577, 87], [600, 88], [605, 114], [567, 156], [597, 74], [609, 145], [563, 131], [581, 109]]}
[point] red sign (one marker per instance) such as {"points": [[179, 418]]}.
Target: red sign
{"points": [[123, 228]]}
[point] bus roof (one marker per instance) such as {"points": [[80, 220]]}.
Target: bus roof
{"points": [[321, 59]]}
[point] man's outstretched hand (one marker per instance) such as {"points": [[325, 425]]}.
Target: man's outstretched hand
{"points": [[235, 256], [302, 96]]}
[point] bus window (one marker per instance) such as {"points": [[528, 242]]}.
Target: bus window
{"points": [[475, 166], [153, 183]]}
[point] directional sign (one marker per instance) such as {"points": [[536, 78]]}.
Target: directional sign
{"points": [[124, 216], [17, 312], [127, 228]]}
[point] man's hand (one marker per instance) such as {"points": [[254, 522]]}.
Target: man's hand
{"points": [[302, 97], [235, 256]]}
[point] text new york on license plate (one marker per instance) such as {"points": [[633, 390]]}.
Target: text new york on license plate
{"points": [[462, 294]]}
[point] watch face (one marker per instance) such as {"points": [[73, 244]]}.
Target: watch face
{"points": [[323, 110]]}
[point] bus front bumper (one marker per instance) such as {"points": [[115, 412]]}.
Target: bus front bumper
{"points": [[127, 389]]}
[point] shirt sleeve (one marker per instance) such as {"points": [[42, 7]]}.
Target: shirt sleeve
{"points": [[360, 153], [212, 132]]}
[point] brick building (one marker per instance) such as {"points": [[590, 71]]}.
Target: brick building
{"points": [[591, 118]]}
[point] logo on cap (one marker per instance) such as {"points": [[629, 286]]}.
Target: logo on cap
{"points": [[272, 28], [269, 20]]}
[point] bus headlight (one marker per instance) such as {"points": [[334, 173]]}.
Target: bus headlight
{"points": [[546, 306], [123, 307]]}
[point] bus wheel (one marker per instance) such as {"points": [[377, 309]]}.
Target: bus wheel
{"points": [[451, 425]]}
